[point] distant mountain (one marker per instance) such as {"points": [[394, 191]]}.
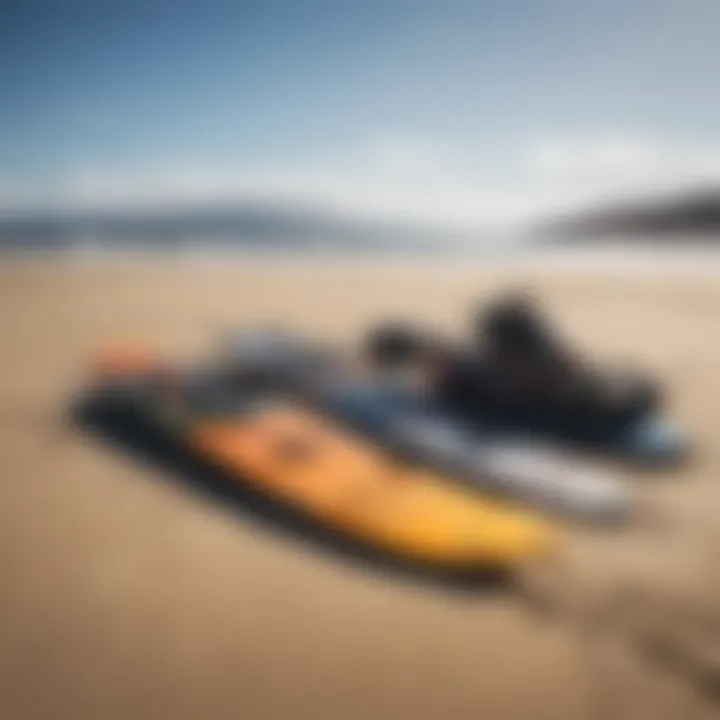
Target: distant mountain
{"points": [[226, 225], [696, 213]]}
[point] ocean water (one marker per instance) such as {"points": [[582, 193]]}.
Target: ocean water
{"points": [[677, 255]]}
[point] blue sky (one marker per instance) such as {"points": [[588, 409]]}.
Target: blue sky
{"points": [[468, 110]]}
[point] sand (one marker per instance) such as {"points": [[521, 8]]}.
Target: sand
{"points": [[124, 595]]}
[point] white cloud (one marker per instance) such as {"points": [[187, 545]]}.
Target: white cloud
{"points": [[403, 179], [625, 161], [590, 157]]}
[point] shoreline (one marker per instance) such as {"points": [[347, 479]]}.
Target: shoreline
{"points": [[601, 260]]}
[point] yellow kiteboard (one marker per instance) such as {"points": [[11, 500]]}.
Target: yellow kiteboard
{"points": [[344, 482]]}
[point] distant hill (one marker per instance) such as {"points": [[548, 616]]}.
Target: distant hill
{"points": [[696, 213], [225, 225]]}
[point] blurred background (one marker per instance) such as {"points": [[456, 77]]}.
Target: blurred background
{"points": [[322, 164], [233, 123]]}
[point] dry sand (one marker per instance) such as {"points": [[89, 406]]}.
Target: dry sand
{"points": [[124, 596]]}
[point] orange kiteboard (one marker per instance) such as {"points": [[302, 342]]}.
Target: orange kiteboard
{"points": [[344, 482], [299, 458]]}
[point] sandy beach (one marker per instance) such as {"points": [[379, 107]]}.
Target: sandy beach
{"points": [[124, 595]]}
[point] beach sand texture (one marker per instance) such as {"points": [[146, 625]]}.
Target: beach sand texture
{"points": [[124, 595]]}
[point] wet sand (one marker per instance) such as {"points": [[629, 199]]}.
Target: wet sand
{"points": [[124, 595]]}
